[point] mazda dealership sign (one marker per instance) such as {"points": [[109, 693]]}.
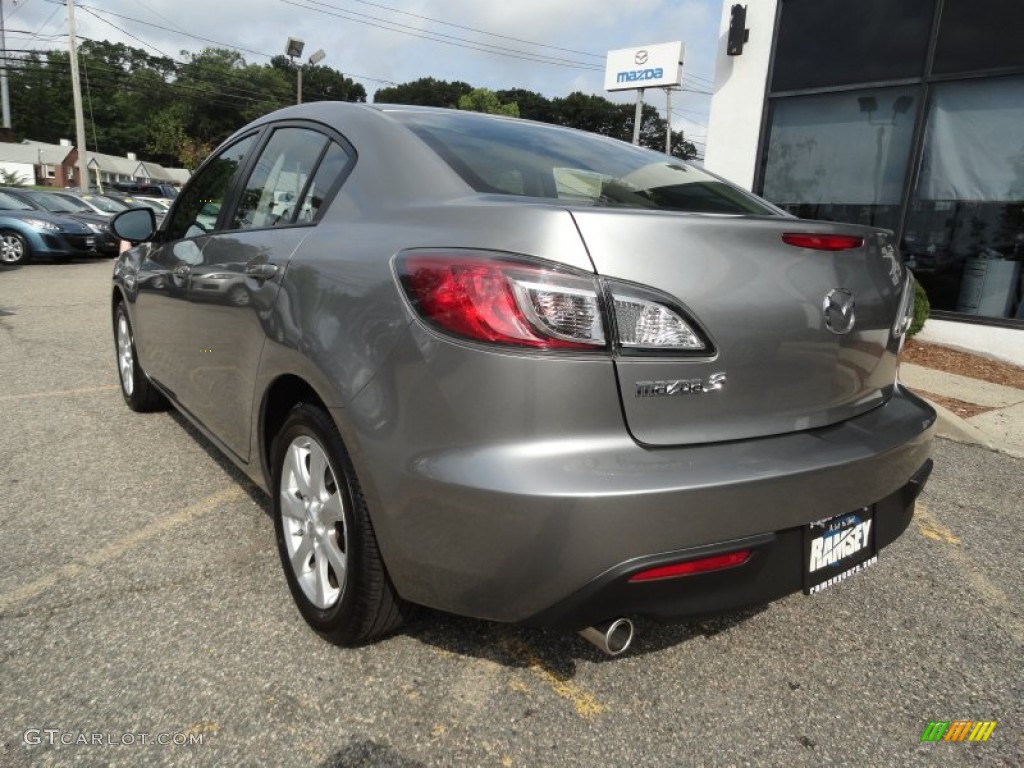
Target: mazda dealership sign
{"points": [[649, 66]]}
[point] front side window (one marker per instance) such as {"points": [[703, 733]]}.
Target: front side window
{"points": [[514, 157], [270, 196], [198, 206]]}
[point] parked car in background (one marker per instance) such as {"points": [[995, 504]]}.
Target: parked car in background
{"points": [[95, 202], [27, 233], [106, 243], [524, 373], [159, 207], [147, 188]]}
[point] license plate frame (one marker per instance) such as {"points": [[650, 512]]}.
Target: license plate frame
{"points": [[836, 548]]}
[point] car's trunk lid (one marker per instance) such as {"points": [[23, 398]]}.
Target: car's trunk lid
{"points": [[777, 367]]}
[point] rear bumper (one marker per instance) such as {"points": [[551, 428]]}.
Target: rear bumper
{"points": [[773, 570], [542, 531]]}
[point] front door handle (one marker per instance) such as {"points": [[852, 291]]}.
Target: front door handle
{"points": [[262, 271], [182, 271]]}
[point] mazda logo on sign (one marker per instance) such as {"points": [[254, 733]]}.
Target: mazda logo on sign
{"points": [[838, 307], [640, 58]]}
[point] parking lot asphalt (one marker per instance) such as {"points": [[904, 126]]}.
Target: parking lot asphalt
{"points": [[141, 600]]}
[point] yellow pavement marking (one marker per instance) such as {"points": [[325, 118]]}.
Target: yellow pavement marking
{"points": [[586, 705], [59, 393], [931, 528], [116, 548], [978, 581]]}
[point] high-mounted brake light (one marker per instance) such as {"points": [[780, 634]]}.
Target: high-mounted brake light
{"points": [[818, 242], [503, 301], [689, 567]]}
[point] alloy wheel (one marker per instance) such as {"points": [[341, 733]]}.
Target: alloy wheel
{"points": [[313, 522], [12, 249], [125, 357]]}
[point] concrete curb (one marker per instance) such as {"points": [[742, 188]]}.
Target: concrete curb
{"points": [[952, 427], [958, 429]]}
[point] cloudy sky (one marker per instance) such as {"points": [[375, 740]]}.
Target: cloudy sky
{"points": [[553, 47]]}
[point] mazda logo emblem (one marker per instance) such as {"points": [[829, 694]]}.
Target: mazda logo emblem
{"points": [[838, 308], [640, 58]]}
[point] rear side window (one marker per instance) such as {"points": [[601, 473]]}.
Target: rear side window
{"points": [[279, 179], [516, 157], [331, 168]]}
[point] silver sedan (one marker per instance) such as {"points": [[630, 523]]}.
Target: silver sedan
{"points": [[524, 373]]}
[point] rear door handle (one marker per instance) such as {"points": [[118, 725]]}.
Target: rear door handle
{"points": [[262, 271]]}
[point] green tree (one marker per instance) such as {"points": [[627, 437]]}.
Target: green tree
{"points": [[425, 92], [532, 105], [484, 100]]}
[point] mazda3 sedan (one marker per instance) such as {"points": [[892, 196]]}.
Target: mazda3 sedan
{"points": [[523, 373], [27, 233]]}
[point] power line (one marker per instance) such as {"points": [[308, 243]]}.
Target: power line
{"points": [[182, 33], [480, 31], [438, 37], [44, 25], [124, 32], [110, 76]]}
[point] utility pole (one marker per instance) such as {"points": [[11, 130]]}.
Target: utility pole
{"points": [[76, 91], [5, 94]]}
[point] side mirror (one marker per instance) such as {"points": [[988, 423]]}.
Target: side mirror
{"points": [[135, 225]]}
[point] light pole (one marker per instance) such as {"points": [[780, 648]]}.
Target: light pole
{"points": [[293, 50], [315, 59]]}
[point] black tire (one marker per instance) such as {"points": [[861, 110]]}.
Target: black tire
{"points": [[138, 391], [363, 605], [14, 249]]}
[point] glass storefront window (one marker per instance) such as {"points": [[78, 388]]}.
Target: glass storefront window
{"points": [[964, 233], [979, 34], [845, 42], [841, 156]]}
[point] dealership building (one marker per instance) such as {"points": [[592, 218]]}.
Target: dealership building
{"points": [[904, 114]]}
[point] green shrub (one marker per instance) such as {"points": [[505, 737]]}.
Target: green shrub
{"points": [[922, 308]]}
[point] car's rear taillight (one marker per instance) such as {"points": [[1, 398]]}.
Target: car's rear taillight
{"points": [[506, 299], [818, 242], [645, 324], [503, 300]]}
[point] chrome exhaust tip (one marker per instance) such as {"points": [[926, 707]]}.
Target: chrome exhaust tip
{"points": [[612, 637]]}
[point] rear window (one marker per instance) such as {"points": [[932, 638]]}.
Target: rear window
{"points": [[517, 157]]}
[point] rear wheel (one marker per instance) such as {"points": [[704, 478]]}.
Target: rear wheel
{"points": [[14, 249], [324, 535], [139, 392]]}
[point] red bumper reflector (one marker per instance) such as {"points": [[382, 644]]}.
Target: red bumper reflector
{"points": [[704, 564], [822, 242]]}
